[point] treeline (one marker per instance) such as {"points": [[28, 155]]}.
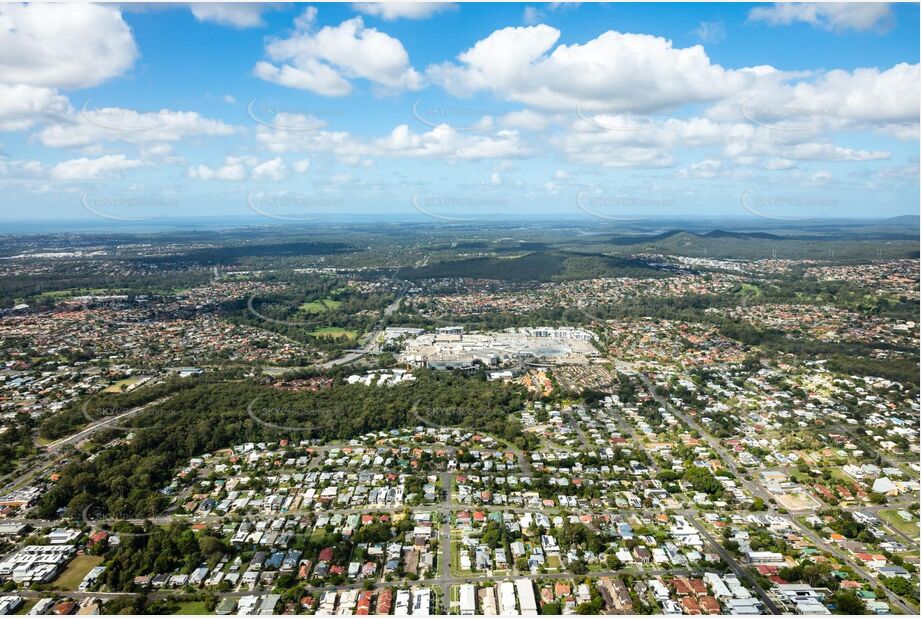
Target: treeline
{"points": [[94, 276], [281, 312], [159, 549], [102, 405], [535, 266], [125, 480], [16, 441]]}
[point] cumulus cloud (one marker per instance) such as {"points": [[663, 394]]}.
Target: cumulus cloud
{"points": [[21, 106], [443, 142], [66, 45], [390, 11], [645, 145], [531, 15], [628, 72], [325, 61], [836, 16], [241, 168], [867, 98], [234, 14], [708, 168], [234, 168], [89, 126], [92, 169], [273, 169], [711, 31]]}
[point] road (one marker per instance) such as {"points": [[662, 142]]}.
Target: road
{"points": [[447, 482], [741, 573], [52, 450], [728, 460], [757, 490], [370, 345], [846, 559]]}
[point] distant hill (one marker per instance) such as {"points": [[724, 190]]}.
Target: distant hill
{"points": [[655, 238], [537, 266], [912, 220], [726, 234]]}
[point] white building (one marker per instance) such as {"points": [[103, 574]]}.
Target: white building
{"points": [[468, 600], [507, 599], [526, 600]]}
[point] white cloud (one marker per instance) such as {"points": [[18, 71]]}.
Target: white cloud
{"points": [[241, 168], [711, 31], [91, 169], [836, 16], [445, 142], [708, 168], [64, 45], [526, 119], [442, 142], [628, 72], [309, 75], [234, 14], [301, 166], [831, 152], [234, 168], [820, 178], [866, 98], [390, 11], [21, 106], [34, 168], [89, 126], [634, 144], [779, 164], [324, 61], [532, 15], [273, 169]]}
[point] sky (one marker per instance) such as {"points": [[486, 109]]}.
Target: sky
{"points": [[458, 112]]}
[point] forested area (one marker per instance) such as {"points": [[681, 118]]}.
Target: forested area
{"points": [[125, 480]]}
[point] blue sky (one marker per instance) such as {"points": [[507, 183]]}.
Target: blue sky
{"points": [[309, 112]]}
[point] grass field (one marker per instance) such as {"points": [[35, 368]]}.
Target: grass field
{"points": [[118, 386], [320, 306], [749, 291], [335, 331], [76, 571], [192, 607], [81, 292], [892, 518]]}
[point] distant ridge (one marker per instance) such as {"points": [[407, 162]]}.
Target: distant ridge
{"points": [[648, 238], [907, 219], [727, 234]]}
